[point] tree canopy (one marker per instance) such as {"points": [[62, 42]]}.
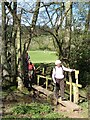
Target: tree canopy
{"points": [[67, 23]]}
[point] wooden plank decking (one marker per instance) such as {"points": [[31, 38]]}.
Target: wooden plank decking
{"points": [[42, 90], [69, 105]]}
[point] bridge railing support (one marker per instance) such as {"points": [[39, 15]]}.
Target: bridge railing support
{"points": [[74, 87], [70, 80], [41, 76]]}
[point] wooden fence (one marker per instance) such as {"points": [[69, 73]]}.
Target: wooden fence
{"points": [[74, 87]]}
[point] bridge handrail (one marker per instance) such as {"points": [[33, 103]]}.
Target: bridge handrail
{"points": [[75, 85]]}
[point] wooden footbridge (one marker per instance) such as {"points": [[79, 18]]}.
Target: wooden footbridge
{"points": [[74, 89]]}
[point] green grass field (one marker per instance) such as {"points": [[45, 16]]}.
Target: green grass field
{"points": [[42, 56]]}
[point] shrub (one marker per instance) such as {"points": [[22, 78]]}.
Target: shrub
{"points": [[33, 108]]}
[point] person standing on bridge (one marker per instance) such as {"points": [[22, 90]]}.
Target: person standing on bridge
{"points": [[58, 78]]}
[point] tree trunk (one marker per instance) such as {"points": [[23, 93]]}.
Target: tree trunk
{"points": [[67, 38], [16, 40], [17, 46], [0, 63], [4, 43], [19, 51], [13, 44], [88, 20]]}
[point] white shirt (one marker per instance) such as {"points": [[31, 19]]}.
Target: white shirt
{"points": [[58, 72]]}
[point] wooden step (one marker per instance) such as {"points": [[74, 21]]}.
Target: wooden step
{"points": [[69, 105], [42, 90]]}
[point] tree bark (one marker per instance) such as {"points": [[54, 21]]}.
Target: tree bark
{"points": [[26, 45], [88, 19], [4, 42], [16, 39], [13, 44], [19, 53], [67, 38]]}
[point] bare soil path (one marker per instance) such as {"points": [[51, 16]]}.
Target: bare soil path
{"points": [[17, 97]]}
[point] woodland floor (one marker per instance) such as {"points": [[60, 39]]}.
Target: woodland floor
{"points": [[15, 97]]}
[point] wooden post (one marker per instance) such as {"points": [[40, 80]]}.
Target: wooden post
{"points": [[43, 70], [70, 80], [38, 79], [75, 88], [75, 93], [76, 75], [46, 82]]}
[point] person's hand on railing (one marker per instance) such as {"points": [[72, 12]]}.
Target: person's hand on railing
{"points": [[54, 81], [73, 70]]}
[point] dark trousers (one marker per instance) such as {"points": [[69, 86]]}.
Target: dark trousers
{"points": [[60, 85]]}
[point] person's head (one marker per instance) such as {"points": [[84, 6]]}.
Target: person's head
{"points": [[26, 55], [58, 63], [29, 61]]}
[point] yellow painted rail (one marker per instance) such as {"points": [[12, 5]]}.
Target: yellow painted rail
{"points": [[73, 86]]}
